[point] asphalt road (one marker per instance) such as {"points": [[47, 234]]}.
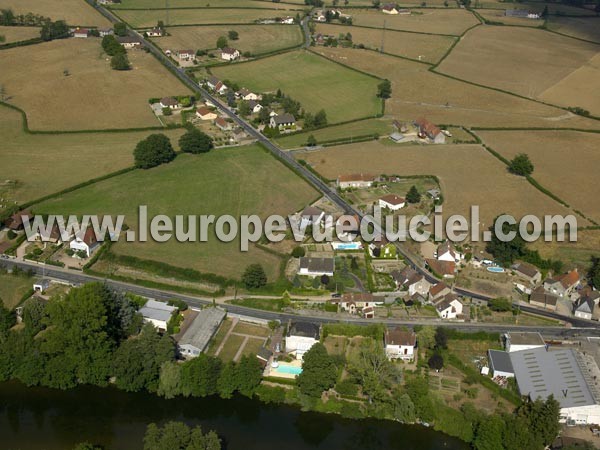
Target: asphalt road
{"points": [[315, 181]]}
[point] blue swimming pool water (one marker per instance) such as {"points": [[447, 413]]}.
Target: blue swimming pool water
{"points": [[289, 370], [348, 246], [495, 269]]}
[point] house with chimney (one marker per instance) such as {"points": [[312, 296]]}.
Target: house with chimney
{"points": [[563, 285], [400, 344]]}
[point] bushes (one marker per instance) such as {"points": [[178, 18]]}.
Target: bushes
{"points": [[195, 141], [153, 151], [346, 388]]}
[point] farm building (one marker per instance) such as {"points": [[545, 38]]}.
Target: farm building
{"points": [[400, 344], [523, 341], [356, 180], [392, 202], [521, 13], [196, 337], [129, 42], [229, 54], [430, 131], [157, 313], [390, 8], [316, 267], [301, 337]]}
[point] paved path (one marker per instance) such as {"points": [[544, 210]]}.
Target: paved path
{"points": [[238, 355]]}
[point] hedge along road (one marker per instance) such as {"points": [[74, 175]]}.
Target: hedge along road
{"points": [[319, 184]]}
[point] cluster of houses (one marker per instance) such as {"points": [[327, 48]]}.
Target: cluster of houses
{"points": [[320, 15], [188, 56], [421, 130]]}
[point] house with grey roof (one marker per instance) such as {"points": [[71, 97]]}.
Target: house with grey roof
{"points": [[316, 267], [197, 336], [500, 364], [528, 272], [157, 313], [584, 308], [282, 121]]}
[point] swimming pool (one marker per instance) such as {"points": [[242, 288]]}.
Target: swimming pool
{"points": [[346, 245], [290, 370], [495, 269]]}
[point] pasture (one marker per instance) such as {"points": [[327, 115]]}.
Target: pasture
{"points": [[154, 4], [469, 175], [255, 39], [381, 127], [74, 12], [314, 81], [419, 92], [17, 34], [422, 47], [204, 16], [513, 61], [579, 27], [578, 253], [13, 288], [550, 151], [234, 181], [70, 86], [436, 21], [36, 165]]}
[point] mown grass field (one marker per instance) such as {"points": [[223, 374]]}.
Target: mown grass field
{"points": [[241, 180], [12, 289], [577, 253], [74, 12], [437, 21], [497, 15], [422, 47], [35, 165], [315, 82], [550, 151], [419, 92], [513, 61], [148, 18], [347, 130], [255, 39], [91, 95], [153, 4], [16, 34], [468, 174], [579, 27]]}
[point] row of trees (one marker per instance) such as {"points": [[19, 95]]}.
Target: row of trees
{"points": [[54, 30], [9, 18]]}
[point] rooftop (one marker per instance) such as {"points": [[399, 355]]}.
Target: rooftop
{"points": [[317, 264], [157, 310], [526, 338], [500, 360], [304, 329], [398, 336], [203, 328]]}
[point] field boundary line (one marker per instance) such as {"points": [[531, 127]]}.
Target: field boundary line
{"points": [[393, 29], [580, 130], [252, 8], [23, 43]]}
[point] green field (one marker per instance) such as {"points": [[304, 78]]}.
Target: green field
{"points": [[241, 180], [148, 18], [153, 4], [314, 81], [345, 131], [12, 289], [36, 165]]}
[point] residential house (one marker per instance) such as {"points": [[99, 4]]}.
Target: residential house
{"points": [[41, 285], [196, 336], [81, 32], [500, 364], [524, 340], [255, 107], [229, 54], [356, 301], [238, 134], [434, 193], [301, 337], [169, 102], [316, 267], [53, 235], [445, 269], [449, 307], [528, 272], [222, 124], [392, 202], [539, 297], [105, 32], [368, 312], [311, 215], [355, 180], [88, 243], [157, 313], [206, 114], [287, 20], [129, 42], [584, 308], [400, 344], [412, 280], [245, 94], [186, 55], [430, 131], [563, 285], [447, 252], [282, 121], [438, 291], [390, 8], [15, 222], [155, 32]]}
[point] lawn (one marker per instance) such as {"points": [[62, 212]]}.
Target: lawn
{"points": [[70, 86], [436, 21], [489, 184], [267, 304], [315, 82], [248, 328], [256, 39], [580, 27], [550, 152], [231, 347], [148, 18], [218, 338], [424, 47], [382, 127], [336, 345], [252, 347], [74, 12], [513, 62], [16, 34], [36, 165], [12, 288], [228, 181], [419, 92]]}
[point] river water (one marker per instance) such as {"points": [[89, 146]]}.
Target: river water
{"points": [[47, 419]]}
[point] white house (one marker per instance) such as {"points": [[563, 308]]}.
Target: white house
{"points": [[206, 114], [301, 337], [446, 252], [400, 344], [245, 94], [169, 102], [41, 285], [255, 107], [87, 244], [563, 285], [515, 342], [316, 267], [282, 121], [449, 307], [186, 55], [229, 54], [355, 180], [157, 313], [392, 202], [584, 308], [155, 32], [287, 20], [311, 215], [389, 9], [81, 32], [105, 32]]}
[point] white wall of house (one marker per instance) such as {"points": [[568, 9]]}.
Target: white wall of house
{"points": [[447, 256], [404, 352], [313, 274], [160, 324], [583, 315], [77, 244], [299, 344], [188, 351], [448, 313], [384, 204], [582, 415]]}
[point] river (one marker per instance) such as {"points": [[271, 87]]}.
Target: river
{"points": [[47, 419]]}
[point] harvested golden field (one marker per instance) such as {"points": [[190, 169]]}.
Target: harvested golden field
{"points": [[17, 34], [579, 27], [148, 18], [153, 4], [36, 165], [521, 60], [437, 21], [419, 92], [577, 253], [92, 95], [74, 12], [551, 152], [256, 39], [469, 175], [579, 88], [425, 47]]}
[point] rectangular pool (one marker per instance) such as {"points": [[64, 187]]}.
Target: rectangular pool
{"points": [[289, 370]]}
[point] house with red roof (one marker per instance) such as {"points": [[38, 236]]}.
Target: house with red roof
{"points": [[430, 131], [88, 243]]}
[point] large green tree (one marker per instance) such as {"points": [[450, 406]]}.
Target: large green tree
{"points": [[178, 436], [594, 272], [318, 371], [199, 376], [413, 195], [156, 149], [521, 165], [373, 370], [120, 62], [195, 141], [254, 276]]}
